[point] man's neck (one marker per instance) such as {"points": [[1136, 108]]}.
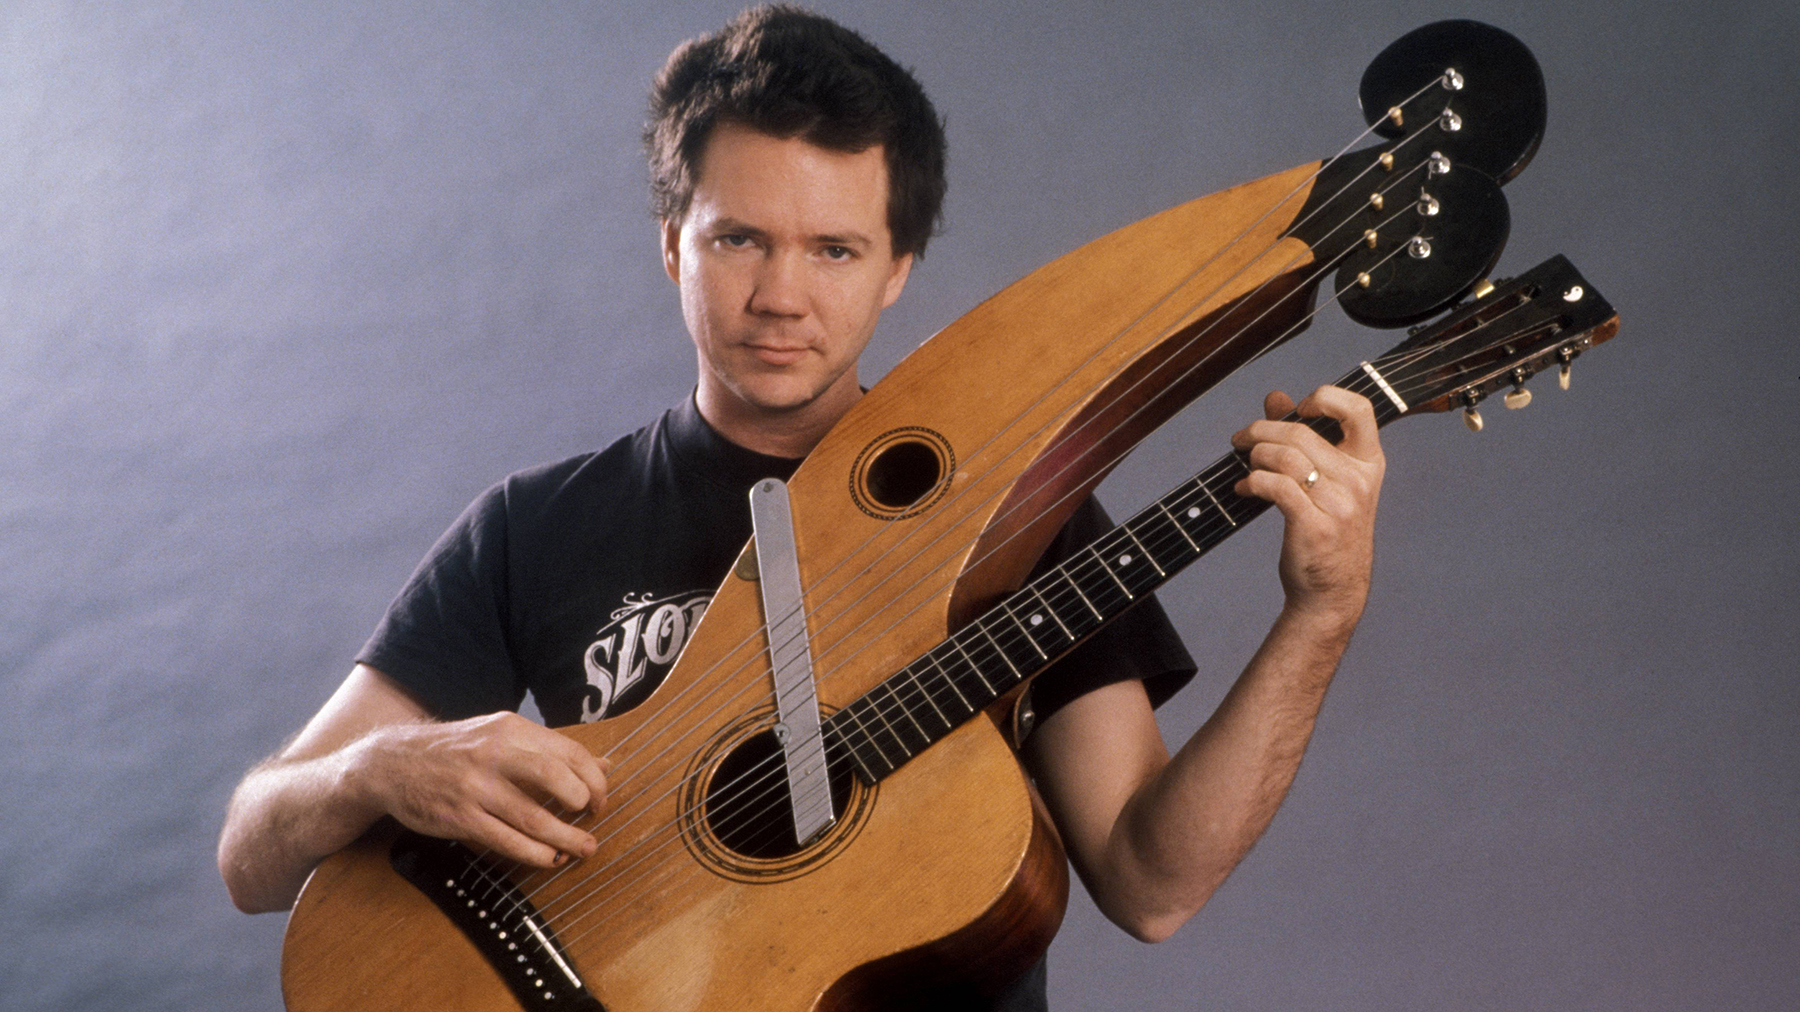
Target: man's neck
{"points": [[789, 433]]}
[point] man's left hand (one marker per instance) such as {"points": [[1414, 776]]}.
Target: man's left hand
{"points": [[1326, 493]]}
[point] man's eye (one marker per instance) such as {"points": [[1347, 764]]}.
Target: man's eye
{"points": [[734, 241], [839, 252]]}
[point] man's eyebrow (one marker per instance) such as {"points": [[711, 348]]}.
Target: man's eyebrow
{"points": [[733, 226]]}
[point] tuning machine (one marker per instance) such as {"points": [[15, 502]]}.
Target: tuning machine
{"points": [[1567, 357], [1518, 397], [1471, 417]]}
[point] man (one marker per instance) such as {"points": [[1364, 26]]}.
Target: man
{"points": [[798, 173]]}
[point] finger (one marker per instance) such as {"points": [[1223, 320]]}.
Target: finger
{"points": [[1277, 405], [556, 764], [586, 766], [1284, 460], [1353, 413], [512, 806], [1279, 489], [549, 775], [1292, 434], [486, 830]]}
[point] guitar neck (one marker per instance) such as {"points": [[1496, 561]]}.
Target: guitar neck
{"points": [[1062, 607]]}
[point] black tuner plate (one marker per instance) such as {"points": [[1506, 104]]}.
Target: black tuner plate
{"points": [[1501, 102], [1462, 243]]}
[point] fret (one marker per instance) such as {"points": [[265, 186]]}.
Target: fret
{"points": [[1104, 591], [904, 710], [875, 705], [1077, 589], [975, 650], [945, 676], [911, 723], [1017, 677], [1052, 611], [951, 659], [1174, 547], [864, 738], [919, 687], [972, 665], [1129, 562], [1215, 501], [1129, 596], [1177, 523], [1024, 629], [845, 748], [1140, 545]]}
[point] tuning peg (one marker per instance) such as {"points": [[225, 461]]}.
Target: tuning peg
{"points": [[1567, 358], [1471, 417], [1519, 397]]}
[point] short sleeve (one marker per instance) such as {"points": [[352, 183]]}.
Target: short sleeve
{"points": [[444, 638], [1140, 644]]}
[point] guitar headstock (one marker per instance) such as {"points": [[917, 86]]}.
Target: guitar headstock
{"points": [[1545, 317], [1413, 223]]}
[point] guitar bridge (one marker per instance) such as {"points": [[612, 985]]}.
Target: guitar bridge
{"points": [[504, 925]]}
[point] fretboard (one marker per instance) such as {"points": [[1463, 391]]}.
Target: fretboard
{"points": [[953, 681]]}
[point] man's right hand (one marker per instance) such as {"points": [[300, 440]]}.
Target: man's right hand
{"points": [[371, 751], [480, 781]]}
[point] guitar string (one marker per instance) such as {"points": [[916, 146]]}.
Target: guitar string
{"points": [[909, 716], [1366, 170], [1390, 367], [619, 826], [1018, 637]]}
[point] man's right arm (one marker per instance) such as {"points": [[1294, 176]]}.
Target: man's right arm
{"points": [[371, 751]]}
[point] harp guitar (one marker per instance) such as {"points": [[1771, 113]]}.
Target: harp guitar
{"points": [[910, 849]]}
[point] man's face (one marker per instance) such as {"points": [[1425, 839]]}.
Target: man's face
{"points": [[785, 263]]}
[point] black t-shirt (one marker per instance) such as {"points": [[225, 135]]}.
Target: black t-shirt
{"points": [[580, 581]]}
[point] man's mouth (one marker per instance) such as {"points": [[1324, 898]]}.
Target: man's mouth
{"points": [[777, 354]]}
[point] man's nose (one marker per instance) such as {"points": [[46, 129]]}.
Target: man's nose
{"points": [[780, 288]]}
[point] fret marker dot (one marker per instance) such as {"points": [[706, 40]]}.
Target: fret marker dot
{"points": [[1193, 511], [1124, 560], [1037, 620]]}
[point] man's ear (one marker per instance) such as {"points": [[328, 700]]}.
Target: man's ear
{"points": [[897, 279], [671, 249]]}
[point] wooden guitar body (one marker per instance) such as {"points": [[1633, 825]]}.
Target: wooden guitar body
{"points": [[947, 868], [951, 841]]}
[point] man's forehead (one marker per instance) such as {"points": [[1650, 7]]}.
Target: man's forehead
{"points": [[769, 182]]}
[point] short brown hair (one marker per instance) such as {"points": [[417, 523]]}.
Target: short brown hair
{"points": [[791, 73]]}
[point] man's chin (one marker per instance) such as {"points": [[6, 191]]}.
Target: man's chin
{"points": [[778, 398]]}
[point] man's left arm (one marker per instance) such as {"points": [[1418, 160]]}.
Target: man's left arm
{"points": [[1153, 835]]}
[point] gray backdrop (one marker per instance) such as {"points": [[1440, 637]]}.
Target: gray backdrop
{"points": [[285, 285]]}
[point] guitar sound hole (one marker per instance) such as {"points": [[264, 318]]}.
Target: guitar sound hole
{"points": [[747, 803], [903, 474]]}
